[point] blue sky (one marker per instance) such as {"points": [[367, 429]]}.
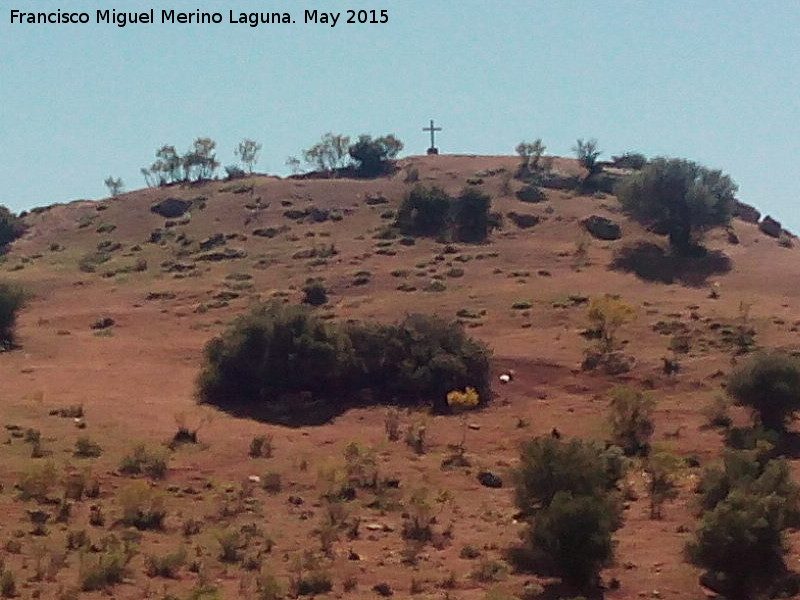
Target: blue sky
{"points": [[716, 82]]}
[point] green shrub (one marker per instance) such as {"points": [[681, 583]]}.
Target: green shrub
{"points": [[631, 419], [549, 466], [11, 300], [769, 383], [86, 448], [315, 293], [681, 196], [742, 545], [261, 446], [108, 569], [142, 506], [374, 156], [430, 211], [142, 461], [571, 538], [279, 349], [167, 565]]}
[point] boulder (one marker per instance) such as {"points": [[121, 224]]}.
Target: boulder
{"points": [[531, 193], [171, 208], [489, 479], [771, 227], [746, 213], [523, 221], [602, 228]]}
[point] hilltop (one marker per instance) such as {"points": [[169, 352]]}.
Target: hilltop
{"points": [[123, 299]]}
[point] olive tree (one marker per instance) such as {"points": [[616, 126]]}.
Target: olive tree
{"points": [[769, 383], [682, 196]]}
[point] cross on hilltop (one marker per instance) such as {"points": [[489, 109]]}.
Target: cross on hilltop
{"points": [[433, 149]]}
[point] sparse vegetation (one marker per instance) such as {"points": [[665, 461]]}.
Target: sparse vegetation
{"points": [[631, 420], [11, 301]]}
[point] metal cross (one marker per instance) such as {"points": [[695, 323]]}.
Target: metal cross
{"points": [[432, 129]]}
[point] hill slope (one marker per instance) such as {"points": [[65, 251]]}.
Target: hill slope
{"points": [[170, 287]]}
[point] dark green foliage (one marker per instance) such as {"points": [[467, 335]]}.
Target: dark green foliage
{"points": [[549, 466], [421, 358], [424, 212], [748, 503], [571, 538], [680, 196], [430, 211], [769, 383], [531, 193], [741, 544], [374, 156], [471, 215], [11, 300], [566, 490], [315, 293], [273, 350], [587, 154], [630, 160], [280, 350], [10, 227]]}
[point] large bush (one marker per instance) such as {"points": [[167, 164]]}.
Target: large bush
{"points": [[280, 351], [11, 300], [680, 196], [374, 156], [430, 211], [769, 383]]}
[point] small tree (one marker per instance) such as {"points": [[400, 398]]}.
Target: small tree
{"points": [[680, 195], [200, 161], [530, 153], [607, 313], [587, 154], [548, 466], [329, 154], [294, 164], [374, 156], [565, 489], [114, 186], [247, 151], [662, 469], [631, 419], [11, 300], [741, 543], [571, 538], [768, 383], [168, 166]]}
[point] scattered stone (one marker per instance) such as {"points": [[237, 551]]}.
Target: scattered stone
{"points": [[771, 227], [489, 479], [602, 228], [296, 500], [171, 208], [254, 479], [383, 589], [226, 254], [746, 213]]}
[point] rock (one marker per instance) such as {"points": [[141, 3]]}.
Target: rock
{"points": [[171, 208], [254, 479], [771, 227], [213, 241], [746, 213], [383, 589], [602, 228], [489, 479], [531, 193], [523, 221]]}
